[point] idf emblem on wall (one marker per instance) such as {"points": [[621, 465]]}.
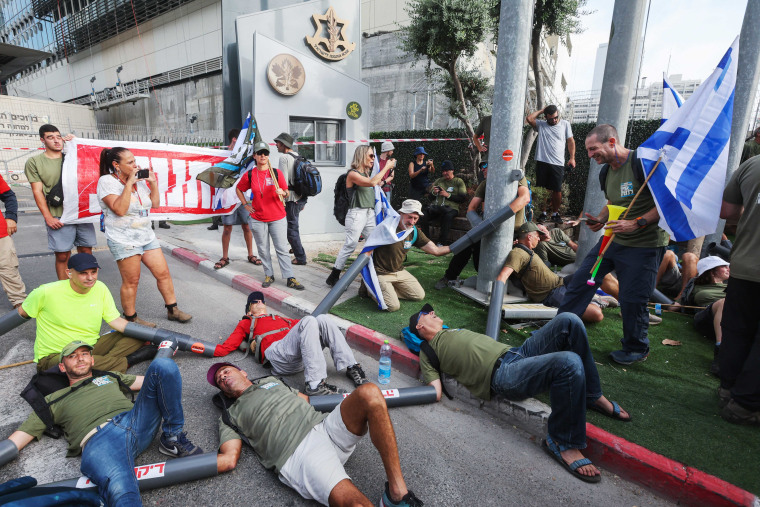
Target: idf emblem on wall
{"points": [[334, 47], [286, 74]]}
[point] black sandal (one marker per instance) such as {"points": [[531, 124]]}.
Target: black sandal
{"points": [[223, 262], [254, 260]]}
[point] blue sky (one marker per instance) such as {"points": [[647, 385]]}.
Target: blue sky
{"points": [[694, 34]]}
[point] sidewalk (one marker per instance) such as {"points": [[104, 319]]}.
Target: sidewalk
{"points": [[200, 248]]}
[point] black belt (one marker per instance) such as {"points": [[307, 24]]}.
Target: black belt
{"points": [[498, 364]]}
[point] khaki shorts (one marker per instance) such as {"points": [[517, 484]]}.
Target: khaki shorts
{"points": [[316, 466]]}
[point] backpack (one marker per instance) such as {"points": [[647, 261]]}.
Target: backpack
{"points": [[343, 197], [306, 179], [45, 383], [411, 340]]}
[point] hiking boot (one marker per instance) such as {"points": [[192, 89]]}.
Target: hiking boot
{"points": [[623, 357], [137, 320], [542, 217], [293, 284], [409, 499], [442, 283], [724, 396], [363, 292], [323, 389], [144, 353], [333, 278], [356, 375], [178, 446], [714, 365], [268, 280], [175, 313], [163, 225], [610, 301], [736, 414], [654, 320], [557, 219]]}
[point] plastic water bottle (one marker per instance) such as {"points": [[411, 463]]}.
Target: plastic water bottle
{"points": [[384, 375]]}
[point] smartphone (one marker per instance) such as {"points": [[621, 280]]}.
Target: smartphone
{"points": [[143, 174], [589, 220]]}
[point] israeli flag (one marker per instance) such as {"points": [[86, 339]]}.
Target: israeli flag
{"points": [[692, 147], [386, 223], [671, 100]]}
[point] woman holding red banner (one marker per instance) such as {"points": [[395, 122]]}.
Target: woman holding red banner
{"points": [[267, 208], [126, 199]]}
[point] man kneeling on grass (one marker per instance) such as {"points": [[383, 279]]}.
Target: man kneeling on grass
{"points": [[308, 449], [555, 358]]}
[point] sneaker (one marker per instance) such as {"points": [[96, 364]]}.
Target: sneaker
{"points": [[333, 278], [654, 320], [623, 357], [178, 446], [409, 500], [610, 301], [356, 375], [735, 413], [442, 283], [162, 224], [323, 389], [269, 280], [597, 300], [724, 396], [556, 219], [542, 217], [293, 284]]}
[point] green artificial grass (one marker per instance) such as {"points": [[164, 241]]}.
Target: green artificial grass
{"points": [[191, 222], [671, 396]]}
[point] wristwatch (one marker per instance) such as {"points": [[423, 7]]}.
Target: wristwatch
{"points": [[642, 222]]}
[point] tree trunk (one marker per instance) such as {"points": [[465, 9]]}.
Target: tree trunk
{"points": [[530, 136], [467, 125]]}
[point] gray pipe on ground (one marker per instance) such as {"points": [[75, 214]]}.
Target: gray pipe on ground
{"points": [[402, 397], [8, 452], [488, 226], [157, 335], [494, 309], [341, 285], [659, 297], [11, 320]]}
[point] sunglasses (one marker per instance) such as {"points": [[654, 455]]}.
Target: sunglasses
{"points": [[262, 152], [372, 156]]}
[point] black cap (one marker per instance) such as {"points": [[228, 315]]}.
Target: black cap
{"points": [[416, 317], [447, 165], [256, 295], [83, 262]]}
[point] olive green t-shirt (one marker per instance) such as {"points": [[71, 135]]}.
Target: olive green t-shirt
{"points": [[538, 280], [709, 293], [83, 410], [744, 189], [46, 171], [480, 193], [455, 187], [390, 258], [273, 417], [362, 197], [750, 149], [557, 249], [621, 185], [467, 356]]}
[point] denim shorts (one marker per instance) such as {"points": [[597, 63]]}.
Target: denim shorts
{"points": [[121, 251], [238, 217]]}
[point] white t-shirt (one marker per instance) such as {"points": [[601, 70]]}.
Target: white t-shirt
{"points": [[551, 141], [132, 229], [286, 164]]}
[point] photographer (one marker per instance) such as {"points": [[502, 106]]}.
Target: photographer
{"points": [[419, 170], [126, 200]]}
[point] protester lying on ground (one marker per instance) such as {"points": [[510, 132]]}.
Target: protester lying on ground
{"points": [[305, 448], [555, 247], [710, 291], [74, 309], [290, 346], [268, 188], [126, 200], [672, 278], [541, 284], [555, 358], [101, 423]]}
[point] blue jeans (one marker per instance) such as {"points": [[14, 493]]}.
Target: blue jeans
{"points": [[636, 270], [108, 458], [556, 358], [292, 210]]}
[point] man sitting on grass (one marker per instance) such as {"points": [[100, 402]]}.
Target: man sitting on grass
{"points": [[556, 358]]}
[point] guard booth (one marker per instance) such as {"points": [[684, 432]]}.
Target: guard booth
{"points": [[297, 68]]}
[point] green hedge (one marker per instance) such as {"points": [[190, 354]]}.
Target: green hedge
{"points": [[457, 152]]}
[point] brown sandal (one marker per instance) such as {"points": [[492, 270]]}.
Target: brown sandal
{"points": [[254, 260], [223, 262]]}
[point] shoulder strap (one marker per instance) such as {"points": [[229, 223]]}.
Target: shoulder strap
{"points": [[529, 252], [603, 177], [223, 403], [638, 168], [436, 363]]}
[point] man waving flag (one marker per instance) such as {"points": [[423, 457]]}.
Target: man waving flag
{"points": [[692, 146]]}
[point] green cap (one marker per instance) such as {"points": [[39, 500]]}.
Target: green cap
{"points": [[71, 347], [528, 227], [260, 145]]}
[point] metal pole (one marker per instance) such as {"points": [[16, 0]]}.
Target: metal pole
{"points": [[494, 309], [157, 336], [614, 104], [341, 285], [747, 75], [509, 98], [11, 320]]}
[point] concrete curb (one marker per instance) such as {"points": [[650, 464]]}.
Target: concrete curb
{"points": [[671, 479]]}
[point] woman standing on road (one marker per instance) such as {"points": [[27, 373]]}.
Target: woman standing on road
{"points": [[126, 201], [360, 218], [267, 208]]}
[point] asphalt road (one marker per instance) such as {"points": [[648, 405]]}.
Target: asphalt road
{"points": [[451, 453]]}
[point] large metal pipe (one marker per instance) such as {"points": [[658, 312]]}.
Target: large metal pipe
{"points": [[487, 226], [11, 320], [8, 452], [659, 297], [157, 475], [157, 335], [342, 284], [166, 348], [494, 309], [403, 397]]}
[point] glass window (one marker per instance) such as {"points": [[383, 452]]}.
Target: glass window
{"points": [[313, 129]]}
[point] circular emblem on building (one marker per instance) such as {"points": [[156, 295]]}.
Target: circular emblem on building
{"points": [[354, 110], [286, 74]]}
